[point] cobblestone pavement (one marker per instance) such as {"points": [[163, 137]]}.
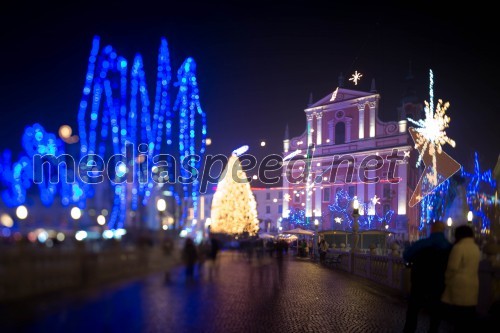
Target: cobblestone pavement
{"points": [[238, 296]]}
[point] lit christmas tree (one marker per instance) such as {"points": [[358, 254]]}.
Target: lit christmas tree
{"points": [[234, 210]]}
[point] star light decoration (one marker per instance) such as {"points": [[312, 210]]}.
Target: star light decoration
{"points": [[375, 200], [356, 77], [432, 131]]}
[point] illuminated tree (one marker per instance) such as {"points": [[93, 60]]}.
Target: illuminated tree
{"points": [[234, 210]]}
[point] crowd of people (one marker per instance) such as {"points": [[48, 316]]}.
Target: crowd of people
{"points": [[205, 253], [444, 276]]}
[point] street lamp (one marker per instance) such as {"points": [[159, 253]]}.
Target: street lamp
{"points": [[22, 212], [470, 216], [161, 206], [355, 225], [449, 222], [76, 214], [101, 220], [315, 245]]}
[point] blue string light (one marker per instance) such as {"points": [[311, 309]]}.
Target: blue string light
{"points": [[109, 117], [18, 177], [432, 206], [341, 208], [187, 104], [474, 193]]}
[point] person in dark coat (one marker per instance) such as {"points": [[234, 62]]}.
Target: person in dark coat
{"points": [[427, 258], [190, 256]]}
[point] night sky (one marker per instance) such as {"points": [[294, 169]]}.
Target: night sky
{"points": [[257, 63]]}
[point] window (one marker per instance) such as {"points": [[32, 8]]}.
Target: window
{"points": [[337, 191], [268, 196], [387, 191], [268, 209], [340, 132], [280, 194], [280, 209], [326, 194], [351, 191]]}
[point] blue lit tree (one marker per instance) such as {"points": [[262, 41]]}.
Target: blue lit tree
{"points": [[479, 183], [17, 178], [115, 116], [105, 97]]}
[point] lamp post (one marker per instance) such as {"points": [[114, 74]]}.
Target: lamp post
{"points": [[355, 225], [161, 206], [101, 221], [470, 216], [22, 214], [449, 222], [75, 213], [315, 245]]}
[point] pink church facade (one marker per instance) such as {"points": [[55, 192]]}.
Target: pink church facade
{"points": [[344, 125]]}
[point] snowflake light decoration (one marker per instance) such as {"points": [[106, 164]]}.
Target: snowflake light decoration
{"points": [[375, 200], [432, 130], [356, 77], [287, 197]]}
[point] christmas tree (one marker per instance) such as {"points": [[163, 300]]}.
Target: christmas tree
{"points": [[234, 210]]}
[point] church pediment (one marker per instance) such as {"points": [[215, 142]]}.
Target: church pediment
{"points": [[340, 95]]}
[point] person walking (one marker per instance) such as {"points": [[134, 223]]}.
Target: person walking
{"points": [[323, 248], [427, 258], [462, 280], [190, 256]]}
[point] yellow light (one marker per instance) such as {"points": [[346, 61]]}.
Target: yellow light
{"points": [[101, 220], [75, 213], [80, 235], [161, 205], [355, 204], [21, 212], [6, 220], [449, 222], [165, 227], [65, 132], [208, 222], [140, 159], [469, 216], [208, 141], [316, 222], [60, 236]]}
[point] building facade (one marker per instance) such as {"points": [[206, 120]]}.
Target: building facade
{"points": [[345, 154], [269, 207]]}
